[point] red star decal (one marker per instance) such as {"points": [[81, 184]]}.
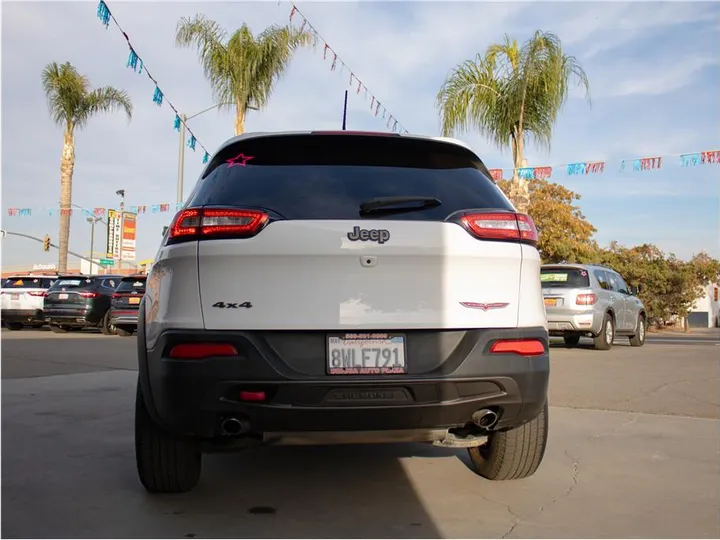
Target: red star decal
{"points": [[241, 159]]}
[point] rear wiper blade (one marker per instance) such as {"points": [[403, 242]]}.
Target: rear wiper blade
{"points": [[396, 204]]}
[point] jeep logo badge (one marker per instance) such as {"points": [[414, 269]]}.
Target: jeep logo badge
{"points": [[373, 235]]}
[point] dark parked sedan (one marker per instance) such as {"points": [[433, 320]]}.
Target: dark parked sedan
{"points": [[125, 304], [75, 302]]}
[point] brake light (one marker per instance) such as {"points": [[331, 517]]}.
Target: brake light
{"points": [[371, 133], [36, 293], [523, 347], [89, 294], [216, 222], [586, 299], [116, 296], [501, 226], [198, 351]]}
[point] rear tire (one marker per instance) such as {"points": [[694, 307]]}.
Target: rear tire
{"points": [[165, 463], [58, 329], [571, 340], [124, 331], [604, 340], [105, 327], [14, 326], [638, 340], [514, 453]]}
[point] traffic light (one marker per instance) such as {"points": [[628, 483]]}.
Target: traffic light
{"points": [[46, 243], [716, 294]]}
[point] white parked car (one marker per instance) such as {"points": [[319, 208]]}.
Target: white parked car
{"points": [[343, 287], [22, 300]]}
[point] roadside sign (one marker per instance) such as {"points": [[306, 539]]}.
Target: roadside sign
{"points": [[106, 262]]}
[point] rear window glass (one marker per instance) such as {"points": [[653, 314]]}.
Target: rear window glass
{"points": [[569, 278], [127, 285], [327, 177], [27, 283], [78, 283]]}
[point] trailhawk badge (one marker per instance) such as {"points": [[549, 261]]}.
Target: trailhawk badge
{"points": [[373, 235]]}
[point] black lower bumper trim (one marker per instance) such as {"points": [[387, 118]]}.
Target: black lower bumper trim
{"points": [[451, 374]]}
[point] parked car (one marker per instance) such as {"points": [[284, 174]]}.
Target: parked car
{"points": [[125, 303], [343, 287], [77, 301], [22, 300], [593, 301]]}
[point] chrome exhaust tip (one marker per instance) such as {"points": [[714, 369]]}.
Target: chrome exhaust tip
{"points": [[485, 418]]}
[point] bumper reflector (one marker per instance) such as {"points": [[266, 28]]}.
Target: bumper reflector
{"points": [[197, 351], [523, 347]]}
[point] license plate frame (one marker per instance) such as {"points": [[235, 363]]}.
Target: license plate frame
{"points": [[551, 302], [134, 300], [63, 296], [14, 296], [351, 364]]}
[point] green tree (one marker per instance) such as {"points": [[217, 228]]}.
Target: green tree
{"points": [[243, 69], [511, 93], [565, 235], [72, 102]]}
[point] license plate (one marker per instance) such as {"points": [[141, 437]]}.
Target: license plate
{"points": [[14, 297], [551, 301], [366, 354], [133, 300], [62, 296]]}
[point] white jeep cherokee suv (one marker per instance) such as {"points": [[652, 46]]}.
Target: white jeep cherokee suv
{"points": [[342, 287]]}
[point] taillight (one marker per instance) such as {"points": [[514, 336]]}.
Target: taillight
{"points": [[199, 223], [523, 347], [36, 293], [586, 299], [89, 294], [501, 226], [116, 296], [198, 351]]}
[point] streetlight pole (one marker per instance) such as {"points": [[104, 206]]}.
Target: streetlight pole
{"points": [[92, 221], [181, 148]]}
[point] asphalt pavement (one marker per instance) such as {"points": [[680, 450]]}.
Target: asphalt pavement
{"points": [[633, 452]]}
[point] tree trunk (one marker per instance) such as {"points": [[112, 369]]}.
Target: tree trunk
{"points": [[240, 118], [519, 189], [67, 166]]}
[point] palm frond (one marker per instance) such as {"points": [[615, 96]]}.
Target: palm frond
{"points": [[208, 38], [65, 91], [105, 99], [531, 84]]}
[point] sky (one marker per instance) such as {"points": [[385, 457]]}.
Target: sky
{"points": [[654, 73]]}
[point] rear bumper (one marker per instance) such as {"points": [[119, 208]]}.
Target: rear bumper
{"points": [[124, 317], [451, 374], [562, 323], [77, 317], [27, 316]]}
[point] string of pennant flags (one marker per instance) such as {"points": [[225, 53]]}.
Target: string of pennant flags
{"points": [[693, 159], [95, 212], [598, 167], [137, 64], [376, 106]]}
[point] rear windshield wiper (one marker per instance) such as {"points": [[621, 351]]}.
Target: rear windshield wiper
{"points": [[388, 205]]}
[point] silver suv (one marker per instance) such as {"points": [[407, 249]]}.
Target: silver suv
{"points": [[594, 301]]}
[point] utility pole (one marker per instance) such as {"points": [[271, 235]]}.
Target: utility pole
{"points": [[92, 221]]}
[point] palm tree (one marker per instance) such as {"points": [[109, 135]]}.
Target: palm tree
{"points": [[241, 70], [510, 93], [72, 102]]}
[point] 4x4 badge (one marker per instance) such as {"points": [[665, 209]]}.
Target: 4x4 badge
{"points": [[374, 235]]}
